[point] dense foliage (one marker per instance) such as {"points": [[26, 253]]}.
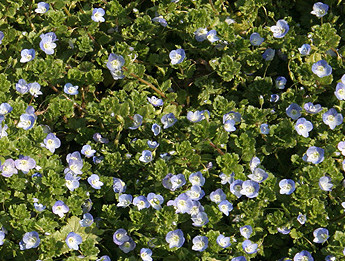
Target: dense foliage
{"points": [[172, 130]]}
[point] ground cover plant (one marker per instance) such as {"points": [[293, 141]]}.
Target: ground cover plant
{"points": [[172, 130]]}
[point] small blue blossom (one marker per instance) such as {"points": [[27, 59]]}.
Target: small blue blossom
{"points": [[212, 36], [94, 181], [141, 202], [195, 116], [104, 258], [274, 98], [2, 237], [87, 151], [259, 175], [280, 82], [27, 121], [268, 55], [160, 20], [168, 120], [293, 111], [303, 127], [70, 89], [152, 144], [120, 236], [254, 163], [51, 142], [27, 55], [137, 121], [175, 238], [25, 163], [177, 56], [74, 166], [235, 116], [303, 256], [155, 101], [341, 147], [97, 15], [225, 207], [22, 86], [195, 193], [319, 9], [223, 241], [128, 246], [72, 181], [118, 185], [73, 240], [217, 196], [146, 156], [246, 231], [226, 178], [287, 186], [145, 254], [200, 243], [302, 219], [5, 108], [332, 118], [311, 108], [47, 43], [115, 62], [197, 179], [87, 220], [177, 181], [330, 258], [60, 208], [39, 207], [264, 129], [200, 219], [2, 35], [125, 200], [239, 258], [35, 89], [314, 155], [280, 29], [255, 39], [8, 168], [182, 203], [320, 235], [321, 68], [229, 125], [340, 91], [30, 240], [236, 188], [155, 200], [201, 34], [98, 138], [304, 49], [42, 8], [283, 230], [325, 183], [250, 189], [156, 129], [117, 74], [249, 247]]}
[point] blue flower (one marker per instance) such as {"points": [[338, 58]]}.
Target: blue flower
{"points": [[254, 163], [155, 200], [104, 258], [268, 55], [51, 142], [212, 36], [146, 156], [225, 207], [145, 254], [22, 86], [236, 188], [2, 237], [8, 168], [73, 240], [27, 55], [325, 183], [42, 8], [60, 208], [120, 236], [200, 243], [168, 120], [47, 44], [311, 108], [319, 9], [39, 207], [72, 181], [302, 219], [87, 151], [332, 118], [264, 129], [255, 39], [249, 247], [303, 255], [280, 29], [155, 101], [125, 200], [229, 125], [246, 231], [280, 82], [117, 74], [141, 202], [137, 121], [177, 181], [321, 68], [259, 175], [177, 56], [70, 89], [239, 258], [200, 219], [98, 138], [182, 203], [341, 147], [97, 15], [304, 49], [128, 245], [5, 108], [30, 240], [250, 189], [226, 178], [115, 62], [25, 163], [200, 34], [175, 238], [283, 230], [314, 155], [160, 20], [152, 144], [2, 35], [27, 121], [35, 89], [195, 116], [223, 241], [303, 127], [156, 129], [94, 181], [235, 116], [340, 91], [87, 220], [197, 179], [293, 111], [118, 185], [195, 193], [287, 186]]}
